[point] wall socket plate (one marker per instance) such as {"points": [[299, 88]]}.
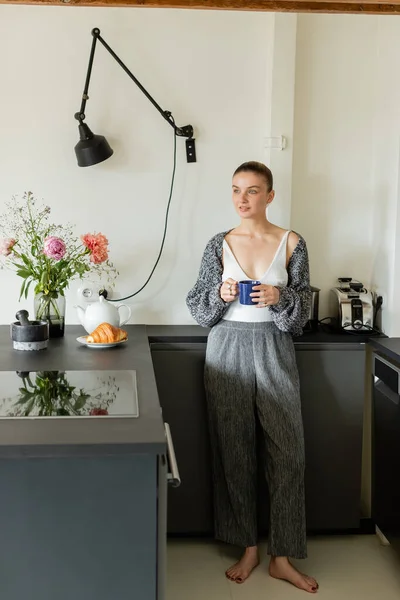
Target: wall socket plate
{"points": [[90, 292]]}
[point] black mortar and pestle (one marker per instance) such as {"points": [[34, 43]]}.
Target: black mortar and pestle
{"points": [[29, 335]]}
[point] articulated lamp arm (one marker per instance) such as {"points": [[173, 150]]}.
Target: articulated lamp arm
{"points": [[86, 135]]}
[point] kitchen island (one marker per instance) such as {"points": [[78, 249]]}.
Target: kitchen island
{"points": [[83, 496]]}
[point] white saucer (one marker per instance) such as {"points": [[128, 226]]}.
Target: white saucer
{"points": [[82, 340]]}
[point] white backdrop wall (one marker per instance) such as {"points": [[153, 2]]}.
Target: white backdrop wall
{"points": [[210, 68], [327, 82], [346, 152]]}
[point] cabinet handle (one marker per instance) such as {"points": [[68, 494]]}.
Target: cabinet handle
{"points": [[388, 364], [173, 477], [384, 390]]}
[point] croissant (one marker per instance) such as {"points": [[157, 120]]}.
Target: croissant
{"points": [[106, 334]]}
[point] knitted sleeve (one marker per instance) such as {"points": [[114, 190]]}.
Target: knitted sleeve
{"points": [[292, 311], [203, 301]]}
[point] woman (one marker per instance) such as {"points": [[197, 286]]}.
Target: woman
{"points": [[251, 373]]}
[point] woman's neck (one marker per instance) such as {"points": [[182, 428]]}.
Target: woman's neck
{"points": [[254, 227]]}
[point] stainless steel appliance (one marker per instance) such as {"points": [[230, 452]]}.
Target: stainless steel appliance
{"points": [[313, 318], [352, 305]]}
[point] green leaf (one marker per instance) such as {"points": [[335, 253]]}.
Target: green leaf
{"points": [[80, 402], [22, 290], [26, 397], [27, 288], [26, 260], [28, 409]]}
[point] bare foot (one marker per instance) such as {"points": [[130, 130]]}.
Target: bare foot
{"points": [[281, 568], [240, 571]]}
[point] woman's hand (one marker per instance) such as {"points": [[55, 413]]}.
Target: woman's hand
{"points": [[229, 290], [265, 295]]}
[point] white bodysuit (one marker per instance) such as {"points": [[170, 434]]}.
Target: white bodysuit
{"points": [[276, 274]]}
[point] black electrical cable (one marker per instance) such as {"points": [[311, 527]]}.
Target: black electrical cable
{"points": [[378, 306], [365, 329], [333, 326], [164, 234]]}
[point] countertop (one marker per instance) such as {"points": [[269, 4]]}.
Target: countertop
{"points": [[54, 437], [389, 347], [195, 333]]}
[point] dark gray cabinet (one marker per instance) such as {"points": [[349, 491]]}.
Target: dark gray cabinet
{"points": [[80, 527], [332, 388], [332, 394], [386, 448], [179, 375]]}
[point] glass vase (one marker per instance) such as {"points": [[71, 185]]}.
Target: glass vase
{"points": [[51, 307]]}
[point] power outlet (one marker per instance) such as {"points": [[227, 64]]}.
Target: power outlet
{"points": [[90, 292]]}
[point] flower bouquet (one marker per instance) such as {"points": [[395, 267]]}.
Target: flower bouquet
{"points": [[50, 256]]}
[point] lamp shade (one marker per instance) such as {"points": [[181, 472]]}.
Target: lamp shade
{"points": [[91, 148]]}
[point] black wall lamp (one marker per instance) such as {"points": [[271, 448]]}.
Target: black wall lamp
{"points": [[91, 148]]}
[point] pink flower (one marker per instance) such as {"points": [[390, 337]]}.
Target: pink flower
{"points": [[98, 411], [6, 246], [54, 247], [97, 244]]}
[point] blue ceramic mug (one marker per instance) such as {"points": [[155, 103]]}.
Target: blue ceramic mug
{"points": [[245, 289]]}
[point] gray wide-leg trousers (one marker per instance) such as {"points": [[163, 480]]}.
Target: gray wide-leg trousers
{"points": [[251, 372]]}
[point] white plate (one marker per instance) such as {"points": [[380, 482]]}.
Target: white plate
{"points": [[82, 340]]}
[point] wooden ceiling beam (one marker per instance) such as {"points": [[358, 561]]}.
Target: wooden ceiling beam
{"points": [[309, 6]]}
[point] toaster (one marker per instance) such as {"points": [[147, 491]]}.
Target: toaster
{"points": [[352, 305]]}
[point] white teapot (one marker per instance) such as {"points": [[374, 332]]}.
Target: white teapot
{"points": [[101, 312]]}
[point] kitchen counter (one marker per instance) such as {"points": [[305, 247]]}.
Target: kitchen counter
{"points": [[39, 437], [77, 436], [389, 347], [195, 333]]}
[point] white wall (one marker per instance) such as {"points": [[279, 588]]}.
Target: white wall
{"points": [[210, 68], [281, 116], [238, 78], [346, 151], [386, 212]]}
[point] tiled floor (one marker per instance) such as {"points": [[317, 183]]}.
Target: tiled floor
{"points": [[347, 568]]}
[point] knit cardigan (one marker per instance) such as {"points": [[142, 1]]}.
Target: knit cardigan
{"points": [[290, 314]]}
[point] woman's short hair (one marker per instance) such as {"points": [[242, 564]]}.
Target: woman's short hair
{"points": [[257, 167]]}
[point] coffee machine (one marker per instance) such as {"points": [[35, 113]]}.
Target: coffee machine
{"points": [[352, 306]]}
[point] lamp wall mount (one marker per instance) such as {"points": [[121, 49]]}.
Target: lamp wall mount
{"points": [[91, 148]]}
